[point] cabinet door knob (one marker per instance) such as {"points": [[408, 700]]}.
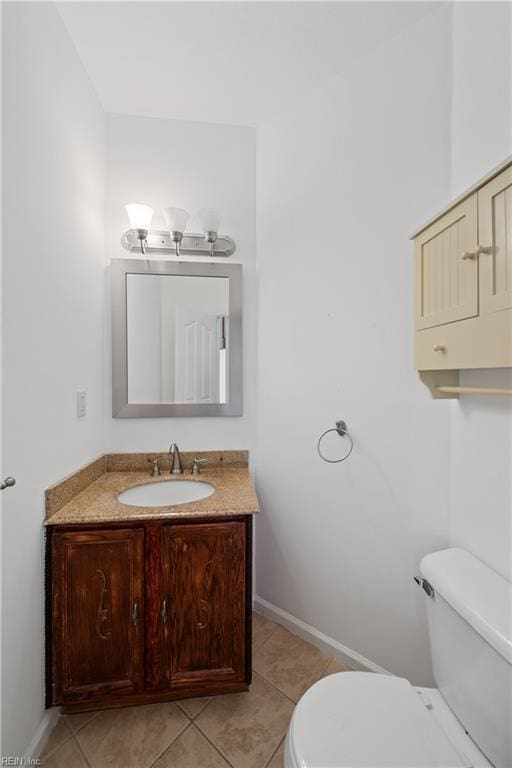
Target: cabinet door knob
{"points": [[7, 483], [439, 348], [164, 612], [474, 254], [135, 613]]}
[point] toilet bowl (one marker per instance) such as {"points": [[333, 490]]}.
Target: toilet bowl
{"points": [[366, 719], [354, 719]]}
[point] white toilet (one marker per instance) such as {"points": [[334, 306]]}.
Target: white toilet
{"points": [[379, 721]]}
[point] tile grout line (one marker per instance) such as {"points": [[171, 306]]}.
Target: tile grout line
{"points": [[203, 709], [74, 731], [257, 647], [212, 743], [162, 753], [276, 750], [192, 719], [183, 711], [326, 668], [209, 739], [275, 688], [82, 752], [61, 743]]}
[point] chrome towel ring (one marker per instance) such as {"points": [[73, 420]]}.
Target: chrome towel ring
{"points": [[341, 429]]}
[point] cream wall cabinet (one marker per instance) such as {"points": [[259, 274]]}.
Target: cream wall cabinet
{"points": [[495, 230], [463, 284], [447, 283]]}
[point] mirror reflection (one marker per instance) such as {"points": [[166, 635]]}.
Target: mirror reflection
{"points": [[177, 338]]}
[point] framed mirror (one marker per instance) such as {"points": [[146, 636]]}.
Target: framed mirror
{"points": [[176, 339]]}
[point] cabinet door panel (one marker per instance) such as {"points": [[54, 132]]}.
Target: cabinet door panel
{"points": [[447, 284], [204, 586], [495, 230], [98, 612]]}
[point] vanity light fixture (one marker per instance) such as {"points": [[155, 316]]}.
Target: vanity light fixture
{"points": [[210, 221], [174, 240], [140, 216], [176, 219]]}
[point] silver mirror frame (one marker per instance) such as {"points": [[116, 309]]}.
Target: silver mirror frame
{"points": [[121, 408]]}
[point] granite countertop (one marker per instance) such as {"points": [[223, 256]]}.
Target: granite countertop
{"points": [[234, 495]]}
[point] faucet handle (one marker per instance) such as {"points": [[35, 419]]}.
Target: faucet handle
{"points": [[195, 465], [156, 467]]}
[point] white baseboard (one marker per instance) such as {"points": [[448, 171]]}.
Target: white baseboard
{"points": [[46, 726], [335, 649]]}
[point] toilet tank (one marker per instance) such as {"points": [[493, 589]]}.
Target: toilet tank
{"points": [[469, 620]]}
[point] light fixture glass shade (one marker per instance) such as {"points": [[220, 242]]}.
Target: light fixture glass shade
{"points": [[210, 219], [176, 219], [140, 215]]}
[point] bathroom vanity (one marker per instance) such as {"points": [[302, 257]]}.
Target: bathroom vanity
{"points": [[149, 604]]}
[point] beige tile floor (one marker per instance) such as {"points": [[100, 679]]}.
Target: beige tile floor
{"points": [[242, 730]]}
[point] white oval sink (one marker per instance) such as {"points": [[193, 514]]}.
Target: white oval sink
{"points": [[165, 493]]}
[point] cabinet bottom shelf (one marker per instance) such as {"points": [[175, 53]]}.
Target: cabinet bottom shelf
{"points": [[152, 697]]}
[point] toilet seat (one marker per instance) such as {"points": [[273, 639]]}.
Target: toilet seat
{"points": [[356, 719]]}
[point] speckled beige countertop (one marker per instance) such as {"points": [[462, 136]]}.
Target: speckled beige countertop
{"points": [[97, 503]]}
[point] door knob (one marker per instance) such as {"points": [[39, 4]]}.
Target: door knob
{"points": [[7, 483], [439, 348]]}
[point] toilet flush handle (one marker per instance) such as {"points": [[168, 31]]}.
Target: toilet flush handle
{"points": [[423, 583]]}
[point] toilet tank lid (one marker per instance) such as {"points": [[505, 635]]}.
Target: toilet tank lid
{"points": [[480, 595]]}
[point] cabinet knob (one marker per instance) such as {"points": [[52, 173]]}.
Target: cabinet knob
{"points": [[164, 612], [474, 254], [135, 613], [7, 483], [439, 348]]}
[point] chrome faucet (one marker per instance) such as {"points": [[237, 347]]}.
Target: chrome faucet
{"points": [[176, 460]]}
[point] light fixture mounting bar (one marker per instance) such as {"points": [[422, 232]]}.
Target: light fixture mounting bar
{"points": [[159, 241]]}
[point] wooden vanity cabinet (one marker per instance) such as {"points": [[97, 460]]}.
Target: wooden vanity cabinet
{"points": [[204, 630], [97, 613], [148, 612]]}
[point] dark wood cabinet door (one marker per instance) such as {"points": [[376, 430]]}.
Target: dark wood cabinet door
{"points": [[203, 583], [98, 613]]}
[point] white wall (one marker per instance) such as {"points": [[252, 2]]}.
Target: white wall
{"points": [[481, 90], [53, 307], [481, 462], [343, 177], [189, 165]]}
